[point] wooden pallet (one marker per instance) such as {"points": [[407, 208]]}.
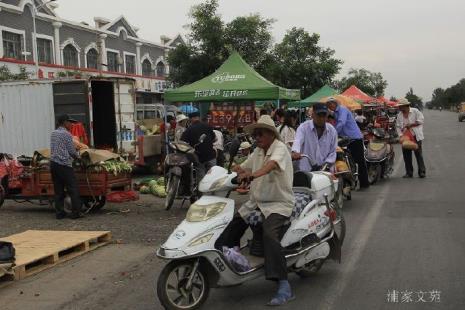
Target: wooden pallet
{"points": [[37, 250]]}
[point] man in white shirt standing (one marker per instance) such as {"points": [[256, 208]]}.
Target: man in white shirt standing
{"points": [[411, 119]]}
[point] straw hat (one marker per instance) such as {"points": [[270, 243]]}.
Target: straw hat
{"points": [[331, 100], [245, 145], [180, 118], [402, 102], [265, 122]]}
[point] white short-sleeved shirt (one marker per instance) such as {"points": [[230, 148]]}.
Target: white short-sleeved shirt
{"points": [[287, 134], [271, 193], [414, 116], [218, 144]]}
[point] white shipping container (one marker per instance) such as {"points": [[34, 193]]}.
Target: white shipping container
{"points": [[26, 116]]}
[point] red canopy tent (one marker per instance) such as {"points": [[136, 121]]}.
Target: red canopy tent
{"points": [[355, 93], [387, 102]]}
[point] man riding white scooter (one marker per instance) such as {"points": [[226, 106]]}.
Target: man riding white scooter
{"points": [[269, 172]]}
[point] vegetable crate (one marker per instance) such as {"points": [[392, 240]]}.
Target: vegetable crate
{"points": [[94, 186]]}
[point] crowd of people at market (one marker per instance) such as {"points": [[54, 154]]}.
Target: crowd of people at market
{"points": [[279, 139]]}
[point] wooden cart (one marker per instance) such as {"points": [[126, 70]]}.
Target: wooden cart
{"points": [[36, 184]]}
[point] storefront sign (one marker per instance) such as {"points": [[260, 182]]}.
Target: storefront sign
{"points": [[226, 77], [231, 116], [223, 93]]}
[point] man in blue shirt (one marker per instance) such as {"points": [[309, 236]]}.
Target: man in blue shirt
{"points": [[62, 152], [346, 126]]}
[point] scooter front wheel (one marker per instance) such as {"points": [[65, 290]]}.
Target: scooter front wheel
{"points": [[172, 191], [179, 289]]}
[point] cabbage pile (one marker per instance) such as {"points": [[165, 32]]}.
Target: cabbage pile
{"points": [[155, 187]]}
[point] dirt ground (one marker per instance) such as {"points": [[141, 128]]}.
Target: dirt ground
{"points": [[121, 275], [144, 221]]}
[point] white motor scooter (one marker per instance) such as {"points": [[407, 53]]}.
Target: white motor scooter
{"points": [[316, 233]]}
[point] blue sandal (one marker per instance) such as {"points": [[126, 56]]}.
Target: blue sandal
{"points": [[280, 299]]}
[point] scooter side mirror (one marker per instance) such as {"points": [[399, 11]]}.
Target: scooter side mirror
{"points": [[233, 150]]}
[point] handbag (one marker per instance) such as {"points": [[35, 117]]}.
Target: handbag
{"points": [[7, 252], [409, 142]]}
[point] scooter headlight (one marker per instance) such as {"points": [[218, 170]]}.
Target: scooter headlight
{"points": [[201, 240], [200, 213]]}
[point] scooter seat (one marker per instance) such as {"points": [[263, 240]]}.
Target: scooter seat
{"points": [[302, 179], [301, 201], [376, 147]]}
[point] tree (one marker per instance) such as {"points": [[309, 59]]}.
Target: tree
{"points": [[299, 62], [372, 83], [211, 41], [250, 36], [414, 100], [202, 54], [450, 96]]}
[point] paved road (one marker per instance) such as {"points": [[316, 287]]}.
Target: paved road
{"points": [[403, 236]]}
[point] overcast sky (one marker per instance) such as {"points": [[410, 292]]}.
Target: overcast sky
{"points": [[413, 43]]}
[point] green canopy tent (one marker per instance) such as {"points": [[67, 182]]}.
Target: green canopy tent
{"points": [[234, 80], [323, 92]]}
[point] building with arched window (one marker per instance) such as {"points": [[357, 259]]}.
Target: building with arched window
{"points": [[70, 56], [108, 47], [147, 68], [92, 59]]}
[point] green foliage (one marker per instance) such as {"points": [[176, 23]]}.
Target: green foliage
{"points": [[414, 100], [7, 75], [299, 62], [450, 96], [372, 83], [250, 36]]}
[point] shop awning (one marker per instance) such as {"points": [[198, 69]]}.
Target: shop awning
{"points": [[355, 93], [233, 81], [348, 102], [325, 91]]}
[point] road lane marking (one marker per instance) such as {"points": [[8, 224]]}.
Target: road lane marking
{"points": [[357, 248]]}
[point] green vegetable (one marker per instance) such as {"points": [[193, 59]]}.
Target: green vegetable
{"points": [[144, 189], [158, 190], [153, 183], [113, 166], [161, 181]]}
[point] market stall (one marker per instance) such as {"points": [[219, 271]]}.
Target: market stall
{"points": [[230, 93], [101, 175], [325, 91], [348, 102], [358, 95]]}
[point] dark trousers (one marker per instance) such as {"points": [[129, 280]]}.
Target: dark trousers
{"points": [[274, 227], [63, 178], [357, 151], [408, 160], [220, 159]]}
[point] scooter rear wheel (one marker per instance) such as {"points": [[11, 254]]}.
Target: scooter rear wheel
{"points": [[311, 269], [172, 288], [374, 172]]}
